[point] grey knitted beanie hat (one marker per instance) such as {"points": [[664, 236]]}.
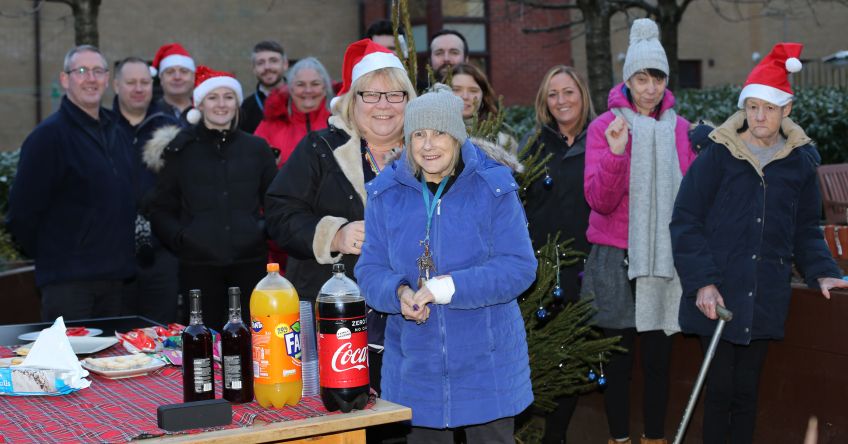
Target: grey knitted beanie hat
{"points": [[438, 109], [645, 50]]}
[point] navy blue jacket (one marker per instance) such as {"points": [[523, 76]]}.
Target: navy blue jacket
{"points": [[139, 135], [72, 206], [740, 227]]}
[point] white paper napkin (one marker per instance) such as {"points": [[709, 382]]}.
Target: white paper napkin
{"points": [[52, 350]]}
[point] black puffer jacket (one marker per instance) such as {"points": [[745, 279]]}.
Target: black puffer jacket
{"points": [[560, 206], [207, 204], [318, 190]]}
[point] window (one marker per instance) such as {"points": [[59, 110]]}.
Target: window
{"points": [[689, 74]]}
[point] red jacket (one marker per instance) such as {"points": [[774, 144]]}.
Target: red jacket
{"points": [[283, 129]]}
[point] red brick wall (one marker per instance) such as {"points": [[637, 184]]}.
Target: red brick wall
{"points": [[519, 60], [373, 10]]}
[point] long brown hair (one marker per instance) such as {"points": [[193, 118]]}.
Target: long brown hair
{"points": [[543, 114], [489, 107]]}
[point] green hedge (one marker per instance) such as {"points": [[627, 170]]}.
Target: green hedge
{"points": [[820, 111], [8, 167]]}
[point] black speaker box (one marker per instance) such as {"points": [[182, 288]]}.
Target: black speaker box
{"points": [[194, 415]]}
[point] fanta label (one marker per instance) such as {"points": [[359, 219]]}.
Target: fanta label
{"points": [[276, 348]]}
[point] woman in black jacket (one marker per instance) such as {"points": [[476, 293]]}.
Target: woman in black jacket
{"points": [[555, 203], [207, 204], [316, 204]]}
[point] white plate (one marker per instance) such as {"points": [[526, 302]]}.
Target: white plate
{"points": [[83, 345], [33, 335], [6, 362], [154, 364]]}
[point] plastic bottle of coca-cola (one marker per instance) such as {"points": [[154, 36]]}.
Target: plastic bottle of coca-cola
{"points": [[342, 344]]}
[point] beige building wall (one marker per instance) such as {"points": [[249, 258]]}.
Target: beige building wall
{"points": [[218, 33], [704, 35]]}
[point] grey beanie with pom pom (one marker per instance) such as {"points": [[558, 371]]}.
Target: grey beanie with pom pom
{"points": [[645, 50], [439, 109]]}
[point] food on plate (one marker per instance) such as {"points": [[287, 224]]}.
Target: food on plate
{"points": [[114, 363], [23, 350], [76, 331]]}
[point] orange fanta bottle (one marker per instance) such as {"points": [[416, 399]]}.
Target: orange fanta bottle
{"points": [[275, 321]]}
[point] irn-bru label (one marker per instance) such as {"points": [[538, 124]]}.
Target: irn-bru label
{"points": [[276, 348]]}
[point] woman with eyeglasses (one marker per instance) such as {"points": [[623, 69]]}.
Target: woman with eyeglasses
{"points": [[316, 204]]}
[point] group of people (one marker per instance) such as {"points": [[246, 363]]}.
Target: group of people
{"points": [[123, 209]]}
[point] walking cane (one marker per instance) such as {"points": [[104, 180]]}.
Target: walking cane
{"points": [[724, 316]]}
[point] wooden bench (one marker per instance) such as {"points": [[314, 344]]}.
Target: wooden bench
{"points": [[833, 182]]}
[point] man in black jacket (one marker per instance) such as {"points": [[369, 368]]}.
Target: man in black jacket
{"points": [[156, 285], [72, 204], [269, 65]]}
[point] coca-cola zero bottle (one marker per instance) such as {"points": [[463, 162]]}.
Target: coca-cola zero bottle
{"points": [[342, 344]]}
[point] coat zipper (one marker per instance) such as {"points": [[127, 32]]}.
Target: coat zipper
{"points": [[442, 326]]}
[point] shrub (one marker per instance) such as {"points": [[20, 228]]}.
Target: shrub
{"points": [[8, 167], [820, 111]]}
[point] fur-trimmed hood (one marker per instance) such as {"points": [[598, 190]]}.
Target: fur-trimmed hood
{"points": [[152, 152], [499, 153]]}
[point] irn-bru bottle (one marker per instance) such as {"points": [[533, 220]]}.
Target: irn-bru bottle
{"points": [[275, 321]]}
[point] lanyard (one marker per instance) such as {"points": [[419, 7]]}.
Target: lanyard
{"points": [[430, 207], [372, 160]]}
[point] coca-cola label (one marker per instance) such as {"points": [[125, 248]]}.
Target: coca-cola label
{"points": [[343, 352]]}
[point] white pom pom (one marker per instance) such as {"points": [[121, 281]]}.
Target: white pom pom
{"points": [[643, 29], [193, 116], [153, 71], [793, 64]]}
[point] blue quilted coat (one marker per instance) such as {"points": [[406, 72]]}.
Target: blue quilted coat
{"points": [[468, 363]]}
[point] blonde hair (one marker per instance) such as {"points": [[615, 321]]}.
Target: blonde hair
{"points": [[394, 77], [543, 114]]}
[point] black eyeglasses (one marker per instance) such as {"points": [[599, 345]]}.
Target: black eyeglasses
{"points": [[83, 71], [374, 96]]}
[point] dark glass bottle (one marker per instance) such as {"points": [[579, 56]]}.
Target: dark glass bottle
{"points": [[198, 376], [237, 354]]}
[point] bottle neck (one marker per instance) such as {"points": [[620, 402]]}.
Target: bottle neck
{"points": [[196, 313]]}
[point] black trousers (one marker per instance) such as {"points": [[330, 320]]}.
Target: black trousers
{"points": [[156, 288], [499, 431], [82, 299], [655, 348], [732, 388], [556, 422], [213, 282]]}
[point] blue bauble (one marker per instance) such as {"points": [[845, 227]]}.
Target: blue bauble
{"points": [[557, 293], [602, 381], [541, 313], [548, 181], [592, 375]]}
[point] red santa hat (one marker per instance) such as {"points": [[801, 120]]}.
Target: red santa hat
{"points": [[205, 80], [361, 58], [171, 54], [769, 80]]}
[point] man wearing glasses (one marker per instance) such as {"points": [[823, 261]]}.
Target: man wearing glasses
{"points": [[72, 206]]}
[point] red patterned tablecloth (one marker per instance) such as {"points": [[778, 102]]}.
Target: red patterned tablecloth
{"points": [[120, 410]]}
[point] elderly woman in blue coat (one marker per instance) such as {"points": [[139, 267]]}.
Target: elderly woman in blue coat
{"points": [[447, 254]]}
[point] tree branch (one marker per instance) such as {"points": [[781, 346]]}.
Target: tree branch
{"points": [[552, 28], [543, 5]]}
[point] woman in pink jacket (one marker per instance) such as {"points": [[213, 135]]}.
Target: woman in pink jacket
{"points": [[636, 155]]}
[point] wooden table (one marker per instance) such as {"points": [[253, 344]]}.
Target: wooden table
{"points": [[347, 428]]}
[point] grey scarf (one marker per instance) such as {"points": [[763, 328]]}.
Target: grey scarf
{"points": [[654, 180]]}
